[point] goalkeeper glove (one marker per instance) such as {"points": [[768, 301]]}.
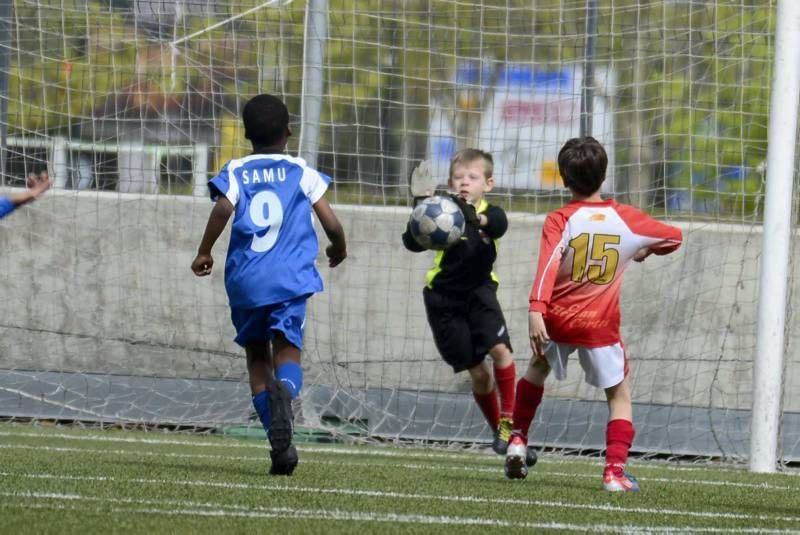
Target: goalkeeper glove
{"points": [[423, 183], [470, 215]]}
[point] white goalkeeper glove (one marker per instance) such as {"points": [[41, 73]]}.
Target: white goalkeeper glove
{"points": [[423, 183]]}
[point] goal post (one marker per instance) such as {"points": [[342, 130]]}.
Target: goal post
{"points": [[775, 264]]}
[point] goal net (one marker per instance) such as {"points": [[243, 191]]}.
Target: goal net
{"points": [[132, 105]]}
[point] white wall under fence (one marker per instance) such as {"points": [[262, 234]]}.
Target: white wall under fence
{"points": [[97, 287]]}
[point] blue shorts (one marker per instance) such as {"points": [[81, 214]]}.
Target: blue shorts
{"points": [[258, 325]]}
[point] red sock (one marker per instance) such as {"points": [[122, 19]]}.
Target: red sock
{"points": [[506, 379], [619, 437], [489, 407], [529, 396]]}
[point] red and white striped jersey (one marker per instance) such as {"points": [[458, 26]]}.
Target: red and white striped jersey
{"points": [[584, 251]]}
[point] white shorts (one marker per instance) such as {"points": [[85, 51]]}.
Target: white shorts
{"points": [[603, 367]]}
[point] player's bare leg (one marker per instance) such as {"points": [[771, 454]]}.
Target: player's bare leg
{"points": [[619, 437], [501, 356], [284, 350], [482, 381], [505, 378], [537, 371], [620, 404], [283, 454], [259, 367], [259, 372]]}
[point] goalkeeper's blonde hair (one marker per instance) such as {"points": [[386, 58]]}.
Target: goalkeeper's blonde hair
{"points": [[467, 156]]}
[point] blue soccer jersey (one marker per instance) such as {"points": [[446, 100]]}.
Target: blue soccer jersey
{"points": [[6, 206], [273, 247]]}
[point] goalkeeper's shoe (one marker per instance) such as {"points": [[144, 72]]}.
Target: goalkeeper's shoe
{"points": [[282, 423], [614, 482], [530, 456], [502, 436], [283, 462], [516, 457]]}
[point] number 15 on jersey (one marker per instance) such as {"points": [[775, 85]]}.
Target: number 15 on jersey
{"points": [[603, 256]]}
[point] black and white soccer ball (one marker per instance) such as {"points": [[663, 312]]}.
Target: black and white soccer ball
{"points": [[437, 223]]}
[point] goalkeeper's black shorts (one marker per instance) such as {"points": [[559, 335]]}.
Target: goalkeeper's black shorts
{"points": [[466, 327]]}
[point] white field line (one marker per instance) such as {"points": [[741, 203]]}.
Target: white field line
{"points": [[224, 510], [408, 466], [404, 496], [481, 455], [259, 446]]}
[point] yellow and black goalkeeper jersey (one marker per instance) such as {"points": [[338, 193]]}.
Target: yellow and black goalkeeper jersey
{"points": [[467, 264]]}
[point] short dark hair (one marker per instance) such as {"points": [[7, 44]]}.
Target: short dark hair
{"points": [[582, 162], [266, 119], [467, 156]]}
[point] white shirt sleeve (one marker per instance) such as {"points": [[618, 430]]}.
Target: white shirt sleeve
{"points": [[226, 183], [314, 184]]}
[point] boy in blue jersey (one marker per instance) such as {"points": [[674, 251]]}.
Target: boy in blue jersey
{"points": [[270, 270], [37, 185]]}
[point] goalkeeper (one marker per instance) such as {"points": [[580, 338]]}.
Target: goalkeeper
{"points": [[461, 292], [574, 304], [37, 185], [270, 270]]}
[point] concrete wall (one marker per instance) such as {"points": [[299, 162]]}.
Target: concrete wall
{"points": [[100, 283]]}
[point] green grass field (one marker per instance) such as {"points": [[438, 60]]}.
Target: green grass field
{"points": [[73, 480]]}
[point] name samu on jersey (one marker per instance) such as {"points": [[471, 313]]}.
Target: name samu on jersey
{"points": [[585, 249], [273, 246], [263, 175]]}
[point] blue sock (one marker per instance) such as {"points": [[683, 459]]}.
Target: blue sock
{"points": [[261, 403], [291, 374]]}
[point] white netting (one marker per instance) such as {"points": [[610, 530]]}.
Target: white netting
{"points": [[133, 104]]}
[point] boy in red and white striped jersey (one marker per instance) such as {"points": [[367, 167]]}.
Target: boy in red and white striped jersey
{"points": [[574, 303]]}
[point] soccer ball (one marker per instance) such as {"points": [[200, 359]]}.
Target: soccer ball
{"points": [[437, 223]]}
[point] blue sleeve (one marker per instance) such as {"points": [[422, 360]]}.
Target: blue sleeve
{"points": [[6, 206]]}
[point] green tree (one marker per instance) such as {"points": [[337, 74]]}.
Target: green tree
{"points": [[692, 77], [64, 70]]}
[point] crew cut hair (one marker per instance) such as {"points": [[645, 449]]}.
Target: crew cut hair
{"points": [[265, 119], [582, 162], [467, 156]]}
